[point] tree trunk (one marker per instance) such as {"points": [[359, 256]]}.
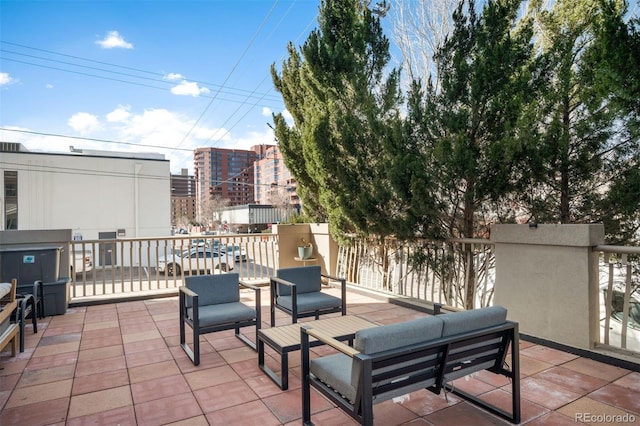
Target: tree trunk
{"points": [[469, 272]]}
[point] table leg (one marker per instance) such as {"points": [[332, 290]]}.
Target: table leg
{"points": [[283, 380]]}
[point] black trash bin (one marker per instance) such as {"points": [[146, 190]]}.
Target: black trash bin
{"points": [[29, 264]]}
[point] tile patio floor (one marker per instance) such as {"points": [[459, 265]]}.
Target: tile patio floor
{"points": [[121, 364]]}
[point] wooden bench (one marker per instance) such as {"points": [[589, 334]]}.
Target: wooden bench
{"points": [[393, 360], [8, 304]]}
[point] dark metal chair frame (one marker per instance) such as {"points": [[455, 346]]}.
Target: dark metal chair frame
{"points": [[295, 314], [193, 321]]}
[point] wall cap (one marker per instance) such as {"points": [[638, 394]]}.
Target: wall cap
{"points": [[572, 235]]}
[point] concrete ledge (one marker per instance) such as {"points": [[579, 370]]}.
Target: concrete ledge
{"points": [[549, 235]]}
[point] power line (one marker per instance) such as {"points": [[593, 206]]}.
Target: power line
{"points": [[233, 69], [94, 139], [159, 77]]}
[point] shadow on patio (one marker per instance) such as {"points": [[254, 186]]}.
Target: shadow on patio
{"points": [[121, 363]]}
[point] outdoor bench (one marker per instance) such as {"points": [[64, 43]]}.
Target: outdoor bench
{"points": [[8, 304], [393, 360]]}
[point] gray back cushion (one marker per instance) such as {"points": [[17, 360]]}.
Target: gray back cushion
{"points": [[475, 319], [306, 278], [377, 339], [215, 289]]}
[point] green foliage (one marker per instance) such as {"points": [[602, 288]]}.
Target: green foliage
{"points": [[586, 116], [348, 149], [469, 129], [511, 130], [298, 218]]}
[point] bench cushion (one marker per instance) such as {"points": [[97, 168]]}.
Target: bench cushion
{"points": [[392, 336], [341, 373], [476, 319], [468, 321], [5, 288]]}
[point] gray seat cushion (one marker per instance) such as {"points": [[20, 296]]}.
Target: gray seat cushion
{"points": [[223, 313], [309, 302]]}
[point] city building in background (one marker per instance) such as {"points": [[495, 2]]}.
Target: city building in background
{"points": [[183, 199], [274, 184], [224, 177]]}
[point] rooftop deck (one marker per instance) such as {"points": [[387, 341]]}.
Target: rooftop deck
{"points": [[121, 363]]}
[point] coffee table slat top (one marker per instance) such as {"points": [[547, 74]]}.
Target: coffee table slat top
{"points": [[289, 335]]}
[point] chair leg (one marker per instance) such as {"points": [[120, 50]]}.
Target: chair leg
{"points": [[196, 347]]}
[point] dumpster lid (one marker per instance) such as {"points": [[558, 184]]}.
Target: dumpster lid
{"points": [[28, 248]]}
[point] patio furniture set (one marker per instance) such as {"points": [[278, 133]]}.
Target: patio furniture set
{"points": [[378, 363], [15, 309]]}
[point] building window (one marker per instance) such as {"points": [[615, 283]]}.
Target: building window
{"points": [[10, 200]]}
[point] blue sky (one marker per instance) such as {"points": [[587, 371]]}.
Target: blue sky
{"points": [[151, 74]]}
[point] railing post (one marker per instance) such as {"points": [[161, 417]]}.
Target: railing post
{"points": [[547, 277]]}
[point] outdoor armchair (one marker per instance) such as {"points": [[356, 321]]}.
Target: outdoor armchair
{"points": [[298, 292], [210, 303]]}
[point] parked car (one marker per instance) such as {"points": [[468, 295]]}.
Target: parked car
{"points": [[195, 259], [236, 252], [83, 262]]}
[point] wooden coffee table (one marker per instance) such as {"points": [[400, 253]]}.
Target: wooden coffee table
{"points": [[286, 338]]}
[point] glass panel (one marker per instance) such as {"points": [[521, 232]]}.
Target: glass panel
{"points": [[11, 199]]}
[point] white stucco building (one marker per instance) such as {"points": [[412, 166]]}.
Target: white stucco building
{"points": [[97, 194]]}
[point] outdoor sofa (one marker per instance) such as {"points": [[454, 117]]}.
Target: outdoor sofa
{"points": [[393, 360]]}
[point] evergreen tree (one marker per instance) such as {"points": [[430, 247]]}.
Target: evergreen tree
{"points": [[470, 127], [586, 147], [346, 148]]}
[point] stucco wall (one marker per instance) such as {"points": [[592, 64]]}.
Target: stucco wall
{"points": [[325, 249], [546, 276]]}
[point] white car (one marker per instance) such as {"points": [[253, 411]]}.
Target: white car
{"points": [[81, 262], [196, 259], [235, 252]]}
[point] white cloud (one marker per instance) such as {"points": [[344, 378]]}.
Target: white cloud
{"points": [[112, 40], [84, 123], [174, 76], [266, 111], [49, 86], [119, 115], [6, 79], [151, 130], [188, 88]]}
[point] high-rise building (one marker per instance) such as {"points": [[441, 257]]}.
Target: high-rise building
{"points": [[273, 182], [183, 198], [223, 177]]}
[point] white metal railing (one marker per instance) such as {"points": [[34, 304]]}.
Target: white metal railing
{"points": [[619, 298], [457, 273], [135, 265]]}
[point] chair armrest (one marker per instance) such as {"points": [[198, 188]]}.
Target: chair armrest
{"points": [[187, 291], [342, 280], [258, 301], [283, 282], [328, 340], [249, 286]]}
